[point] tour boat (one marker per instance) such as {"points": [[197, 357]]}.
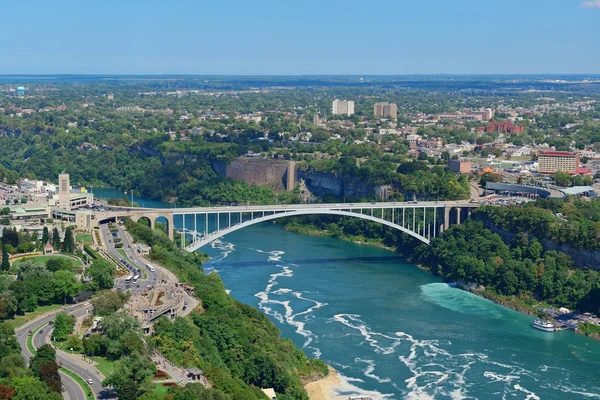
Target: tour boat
{"points": [[543, 325]]}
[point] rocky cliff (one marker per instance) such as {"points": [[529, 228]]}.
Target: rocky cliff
{"points": [[280, 175]]}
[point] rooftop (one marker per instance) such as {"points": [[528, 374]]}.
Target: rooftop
{"points": [[575, 190], [558, 153]]}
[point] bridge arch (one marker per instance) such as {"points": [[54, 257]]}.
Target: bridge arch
{"points": [[145, 220], [197, 244]]}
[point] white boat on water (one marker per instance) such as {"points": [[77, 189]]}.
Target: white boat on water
{"points": [[543, 325]]}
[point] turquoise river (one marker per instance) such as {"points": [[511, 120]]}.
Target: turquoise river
{"points": [[394, 331]]}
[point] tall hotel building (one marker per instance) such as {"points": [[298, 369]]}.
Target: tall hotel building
{"points": [[343, 107], [552, 162]]}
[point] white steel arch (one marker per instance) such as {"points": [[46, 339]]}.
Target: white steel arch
{"points": [[204, 240]]}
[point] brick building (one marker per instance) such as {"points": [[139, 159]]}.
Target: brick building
{"points": [[504, 127], [460, 166]]}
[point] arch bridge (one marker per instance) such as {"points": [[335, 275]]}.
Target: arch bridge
{"points": [[202, 225]]}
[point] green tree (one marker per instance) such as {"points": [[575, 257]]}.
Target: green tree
{"points": [[95, 345], [31, 388], [69, 242], [132, 377], [74, 342], [102, 273], [108, 301], [45, 354], [562, 179], [45, 236], [56, 239], [65, 285], [63, 326], [38, 279], [5, 266], [10, 237], [59, 263]]}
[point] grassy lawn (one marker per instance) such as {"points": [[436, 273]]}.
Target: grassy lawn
{"points": [[104, 366], [63, 346], [161, 391], [84, 385], [19, 320], [84, 237], [42, 260]]}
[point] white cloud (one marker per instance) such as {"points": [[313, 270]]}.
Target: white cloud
{"points": [[590, 4]]}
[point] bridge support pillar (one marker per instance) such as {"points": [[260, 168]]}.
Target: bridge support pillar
{"points": [[458, 212], [446, 218], [170, 226]]}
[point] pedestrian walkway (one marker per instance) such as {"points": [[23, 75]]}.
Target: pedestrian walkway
{"points": [[178, 374]]}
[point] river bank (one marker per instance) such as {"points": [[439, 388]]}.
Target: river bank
{"points": [[324, 388]]}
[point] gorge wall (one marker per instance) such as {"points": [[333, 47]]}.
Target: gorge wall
{"points": [[280, 175]]}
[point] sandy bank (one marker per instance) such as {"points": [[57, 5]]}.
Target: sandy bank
{"points": [[323, 389]]}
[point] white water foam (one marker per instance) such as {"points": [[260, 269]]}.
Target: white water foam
{"points": [[226, 249], [288, 316], [435, 372], [346, 389]]}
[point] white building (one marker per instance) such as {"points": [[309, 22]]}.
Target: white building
{"points": [[343, 107]]}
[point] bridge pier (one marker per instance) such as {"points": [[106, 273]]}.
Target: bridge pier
{"points": [[446, 218]]}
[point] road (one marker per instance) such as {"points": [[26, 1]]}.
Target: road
{"points": [[138, 262], [73, 390]]}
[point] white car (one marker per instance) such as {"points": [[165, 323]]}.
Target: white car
{"points": [[87, 303], [90, 381]]}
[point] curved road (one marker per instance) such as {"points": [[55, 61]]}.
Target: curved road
{"points": [[73, 390]]}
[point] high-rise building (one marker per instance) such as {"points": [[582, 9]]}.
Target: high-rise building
{"points": [[552, 162], [64, 192], [343, 107], [385, 110]]}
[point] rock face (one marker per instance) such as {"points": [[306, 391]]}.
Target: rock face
{"points": [[280, 175], [322, 183], [283, 175]]}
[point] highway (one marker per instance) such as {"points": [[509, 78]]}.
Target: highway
{"points": [[133, 260]]}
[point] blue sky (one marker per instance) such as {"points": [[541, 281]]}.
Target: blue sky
{"points": [[300, 36]]}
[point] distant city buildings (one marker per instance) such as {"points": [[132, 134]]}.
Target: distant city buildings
{"points": [[343, 107], [552, 162], [385, 110]]}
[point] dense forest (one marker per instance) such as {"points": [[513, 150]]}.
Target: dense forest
{"points": [[573, 221]]}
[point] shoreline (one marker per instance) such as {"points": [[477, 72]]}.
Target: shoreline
{"points": [[324, 388]]}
